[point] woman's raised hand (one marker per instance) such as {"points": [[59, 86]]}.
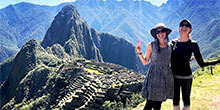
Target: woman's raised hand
{"points": [[138, 47]]}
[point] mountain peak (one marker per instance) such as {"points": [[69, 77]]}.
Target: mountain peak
{"points": [[70, 31], [32, 45], [24, 61], [69, 10], [62, 27]]}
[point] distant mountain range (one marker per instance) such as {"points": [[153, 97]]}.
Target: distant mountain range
{"points": [[128, 19], [205, 18], [20, 23]]}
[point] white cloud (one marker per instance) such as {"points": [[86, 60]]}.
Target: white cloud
{"points": [[62, 1], [157, 2]]}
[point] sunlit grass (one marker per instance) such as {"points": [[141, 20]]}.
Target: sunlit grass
{"points": [[93, 71], [206, 91], [205, 94], [167, 105]]}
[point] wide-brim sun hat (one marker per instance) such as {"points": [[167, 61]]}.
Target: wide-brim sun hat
{"points": [[160, 25]]}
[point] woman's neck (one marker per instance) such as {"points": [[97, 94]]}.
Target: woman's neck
{"points": [[184, 38], [163, 44]]}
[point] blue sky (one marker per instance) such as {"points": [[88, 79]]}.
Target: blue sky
{"points": [[4, 3]]}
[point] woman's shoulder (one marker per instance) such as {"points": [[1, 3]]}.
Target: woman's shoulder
{"points": [[173, 42], [193, 41], [152, 43]]}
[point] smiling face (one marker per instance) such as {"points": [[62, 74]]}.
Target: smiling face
{"points": [[185, 28], [161, 33]]}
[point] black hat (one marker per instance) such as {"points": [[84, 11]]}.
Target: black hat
{"points": [[160, 25], [187, 21]]}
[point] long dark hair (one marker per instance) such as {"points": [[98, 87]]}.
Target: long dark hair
{"points": [[158, 42]]}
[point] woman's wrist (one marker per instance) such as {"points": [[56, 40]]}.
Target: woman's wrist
{"points": [[139, 53]]}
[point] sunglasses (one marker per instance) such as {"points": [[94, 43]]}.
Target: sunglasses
{"points": [[161, 31], [186, 25]]}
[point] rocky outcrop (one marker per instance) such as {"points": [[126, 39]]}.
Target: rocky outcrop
{"points": [[119, 51], [58, 51]]}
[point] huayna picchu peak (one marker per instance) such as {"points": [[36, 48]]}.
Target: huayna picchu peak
{"points": [[70, 31], [64, 27], [79, 40], [72, 68]]}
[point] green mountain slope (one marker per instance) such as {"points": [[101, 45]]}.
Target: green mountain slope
{"points": [[205, 18], [40, 80], [55, 83]]}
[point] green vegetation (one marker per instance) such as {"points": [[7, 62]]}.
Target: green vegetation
{"points": [[131, 102], [205, 93], [34, 102], [207, 70], [5, 67], [122, 70], [206, 90], [93, 71], [134, 100], [108, 105], [116, 84]]}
